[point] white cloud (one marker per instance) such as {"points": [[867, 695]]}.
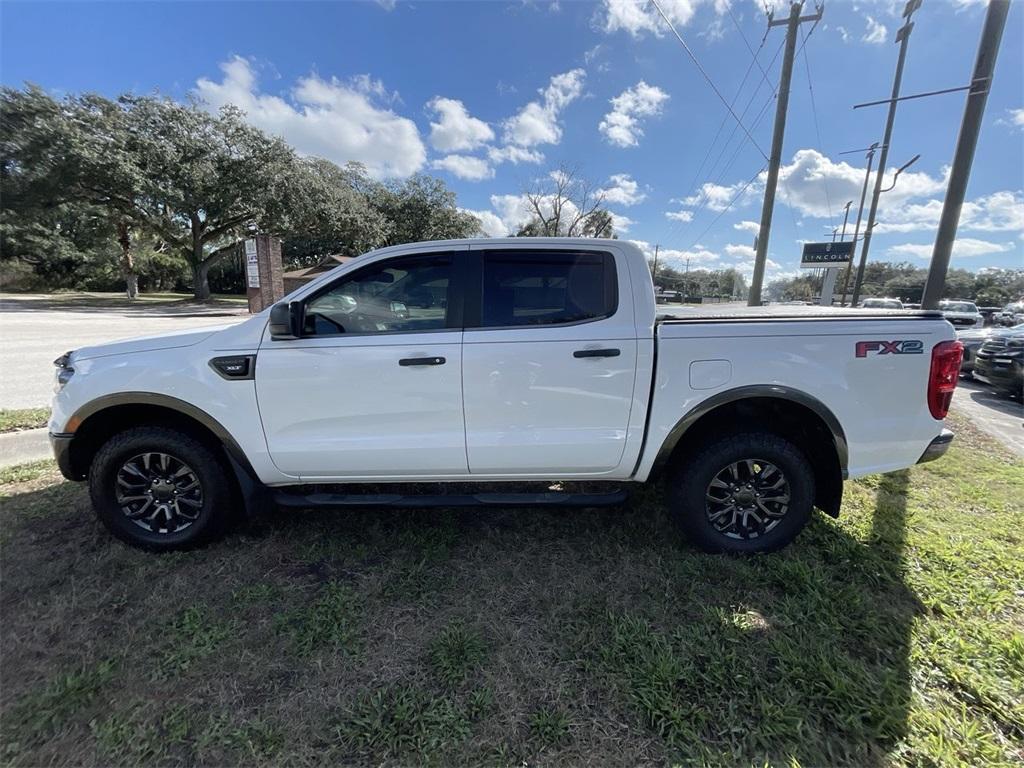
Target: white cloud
{"points": [[963, 247], [804, 182], [490, 223], [876, 33], [747, 226], [465, 167], [683, 216], [623, 190], [843, 33], [328, 118], [717, 197], [639, 16], [1014, 117], [620, 222], [621, 126], [537, 122], [740, 251], [514, 155], [677, 259], [456, 130], [998, 212]]}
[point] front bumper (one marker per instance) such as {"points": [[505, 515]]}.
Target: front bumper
{"points": [[1007, 377], [61, 445], [937, 447]]}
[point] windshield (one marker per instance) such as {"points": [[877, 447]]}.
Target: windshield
{"points": [[958, 306], [883, 304]]}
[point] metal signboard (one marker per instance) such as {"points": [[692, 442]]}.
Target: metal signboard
{"points": [[252, 267], [818, 255]]}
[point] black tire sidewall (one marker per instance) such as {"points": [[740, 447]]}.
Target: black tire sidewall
{"points": [[207, 466], [692, 476]]}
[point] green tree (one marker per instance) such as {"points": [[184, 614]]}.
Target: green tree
{"points": [[420, 208], [335, 213]]}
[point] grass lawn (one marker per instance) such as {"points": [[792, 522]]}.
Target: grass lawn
{"points": [[894, 635], [23, 418], [108, 300]]}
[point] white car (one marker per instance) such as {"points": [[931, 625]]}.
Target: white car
{"points": [[535, 363], [961, 313]]}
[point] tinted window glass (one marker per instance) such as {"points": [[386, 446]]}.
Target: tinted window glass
{"points": [[393, 296], [546, 288]]}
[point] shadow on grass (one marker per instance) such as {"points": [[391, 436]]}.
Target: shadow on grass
{"points": [[649, 649]]}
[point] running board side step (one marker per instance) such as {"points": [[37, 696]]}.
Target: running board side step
{"points": [[400, 501]]}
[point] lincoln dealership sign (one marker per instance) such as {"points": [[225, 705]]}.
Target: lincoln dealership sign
{"points": [[817, 255]]}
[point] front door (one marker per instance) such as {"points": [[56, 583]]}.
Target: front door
{"points": [[374, 385], [549, 362]]}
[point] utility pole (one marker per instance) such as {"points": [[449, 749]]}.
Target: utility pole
{"points": [[654, 269], [775, 157], [856, 227], [967, 142], [903, 38]]}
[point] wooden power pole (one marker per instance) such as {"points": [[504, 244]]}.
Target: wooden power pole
{"points": [[775, 157]]}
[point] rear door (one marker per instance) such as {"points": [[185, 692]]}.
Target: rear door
{"points": [[549, 360], [374, 385]]}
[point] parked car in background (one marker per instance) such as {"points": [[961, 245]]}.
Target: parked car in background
{"points": [[1000, 361], [911, 306], [972, 339], [961, 313], [1011, 314], [881, 304], [989, 314]]}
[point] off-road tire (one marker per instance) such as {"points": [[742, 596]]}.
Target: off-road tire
{"points": [[214, 513], [691, 476]]}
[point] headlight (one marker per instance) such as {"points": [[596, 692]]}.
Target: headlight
{"points": [[64, 371]]}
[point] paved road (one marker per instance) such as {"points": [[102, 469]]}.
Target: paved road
{"points": [[995, 414], [34, 330], [23, 447]]}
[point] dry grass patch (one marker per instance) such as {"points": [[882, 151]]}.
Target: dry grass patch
{"points": [[890, 636]]}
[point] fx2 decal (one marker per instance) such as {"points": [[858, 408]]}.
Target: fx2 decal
{"points": [[898, 347]]}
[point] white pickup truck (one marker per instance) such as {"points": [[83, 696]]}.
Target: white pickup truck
{"points": [[517, 371]]}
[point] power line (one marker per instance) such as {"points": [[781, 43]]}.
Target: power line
{"points": [[707, 77], [817, 129], [729, 205]]}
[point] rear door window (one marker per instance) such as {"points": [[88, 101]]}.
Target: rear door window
{"points": [[534, 288]]}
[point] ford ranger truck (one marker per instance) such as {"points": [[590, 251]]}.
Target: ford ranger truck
{"points": [[522, 371]]}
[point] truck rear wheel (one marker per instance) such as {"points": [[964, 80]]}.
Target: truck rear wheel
{"points": [[159, 489], [749, 492]]}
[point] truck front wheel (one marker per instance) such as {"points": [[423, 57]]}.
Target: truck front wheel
{"points": [[749, 492], [159, 489]]}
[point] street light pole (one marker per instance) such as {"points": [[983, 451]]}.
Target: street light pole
{"points": [[967, 142], [856, 227]]}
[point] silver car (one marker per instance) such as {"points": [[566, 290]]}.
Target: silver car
{"points": [[961, 313]]}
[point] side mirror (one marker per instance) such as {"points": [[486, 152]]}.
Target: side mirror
{"points": [[286, 320]]}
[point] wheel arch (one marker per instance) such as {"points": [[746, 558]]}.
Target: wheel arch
{"points": [[794, 414], [100, 419]]}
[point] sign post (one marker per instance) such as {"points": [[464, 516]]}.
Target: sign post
{"points": [[833, 257], [264, 278]]}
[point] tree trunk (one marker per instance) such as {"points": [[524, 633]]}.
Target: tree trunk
{"points": [[201, 281], [200, 267], [131, 278]]}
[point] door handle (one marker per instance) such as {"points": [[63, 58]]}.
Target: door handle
{"points": [[405, 361], [596, 353]]}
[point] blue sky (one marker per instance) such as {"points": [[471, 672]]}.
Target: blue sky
{"points": [[493, 96]]}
